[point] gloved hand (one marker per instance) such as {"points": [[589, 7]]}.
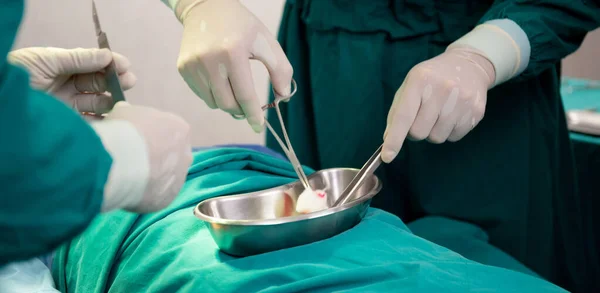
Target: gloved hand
{"points": [[151, 181], [440, 100], [74, 75], [219, 39]]}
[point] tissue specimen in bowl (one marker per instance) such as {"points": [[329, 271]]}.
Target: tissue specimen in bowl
{"points": [[311, 201]]}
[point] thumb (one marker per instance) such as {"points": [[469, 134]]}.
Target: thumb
{"points": [[77, 61]]}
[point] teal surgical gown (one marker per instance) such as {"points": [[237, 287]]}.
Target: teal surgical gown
{"points": [[513, 175], [53, 166]]}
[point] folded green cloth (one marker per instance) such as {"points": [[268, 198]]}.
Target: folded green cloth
{"points": [[467, 240], [172, 251]]}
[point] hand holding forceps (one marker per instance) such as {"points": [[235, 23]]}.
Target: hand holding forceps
{"points": [[287, 146]]}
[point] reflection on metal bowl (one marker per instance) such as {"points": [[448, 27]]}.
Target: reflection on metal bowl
{"points": [[263, 221]]}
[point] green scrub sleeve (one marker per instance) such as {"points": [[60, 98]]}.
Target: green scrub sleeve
{"points": [[53, 168], [555, 28]]}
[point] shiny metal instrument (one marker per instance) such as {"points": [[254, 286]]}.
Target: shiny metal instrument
{"points": [[584, 121], [111, 75], [365, 172], [287, 146], [263, 221]]}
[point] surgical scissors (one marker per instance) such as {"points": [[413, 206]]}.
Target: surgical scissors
{"points": [[287, 146]]}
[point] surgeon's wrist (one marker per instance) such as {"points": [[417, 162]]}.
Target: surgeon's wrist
{"points": [[183, 7], [130, 170], [504, 43]]}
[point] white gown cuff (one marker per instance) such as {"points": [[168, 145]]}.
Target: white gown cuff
{"points": [[130, 169], [504, 43]]}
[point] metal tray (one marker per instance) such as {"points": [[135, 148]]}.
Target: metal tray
{"points": [[263, 221]]}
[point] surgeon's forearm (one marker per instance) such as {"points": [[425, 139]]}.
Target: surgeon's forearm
{"points": [[52, 172], [554, 28], [129, 172]]}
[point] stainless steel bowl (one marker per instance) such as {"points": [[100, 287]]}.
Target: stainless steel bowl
{"points": [[263, 221]]}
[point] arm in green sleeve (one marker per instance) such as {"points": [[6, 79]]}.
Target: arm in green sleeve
{"points": [[555, 28], [53, 168]]}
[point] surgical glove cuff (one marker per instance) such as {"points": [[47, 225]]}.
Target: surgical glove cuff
{"points": [[503, 43], [171, 3], [183, 7], [130, 170]]}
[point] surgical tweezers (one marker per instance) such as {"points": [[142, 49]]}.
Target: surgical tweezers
{"points": [[287, 146], [365, 173]]}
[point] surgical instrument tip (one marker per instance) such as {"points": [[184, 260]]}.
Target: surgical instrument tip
{"points": [[367, 169], [96, 19]]}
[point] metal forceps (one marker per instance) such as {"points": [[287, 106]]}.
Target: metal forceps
{"points": [[287, 146], [112, 78]]}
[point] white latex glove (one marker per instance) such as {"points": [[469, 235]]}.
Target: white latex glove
{"points": [[74, 75], [219, 39], [444, 98], [441, 99], [151, 154]]}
